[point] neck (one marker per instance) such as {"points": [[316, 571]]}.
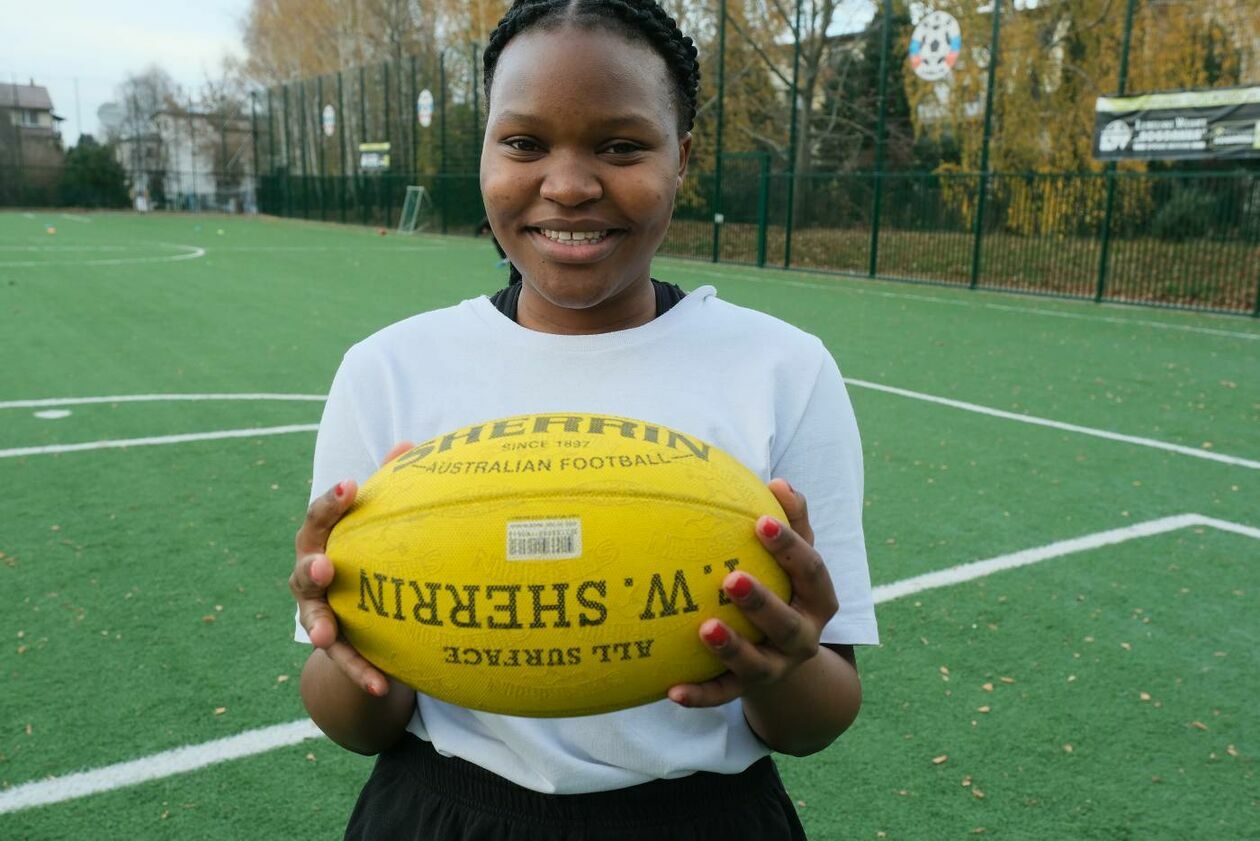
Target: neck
{"points": [[632, 307]]}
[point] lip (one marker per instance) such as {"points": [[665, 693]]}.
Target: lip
{"points": [[585, 253]]}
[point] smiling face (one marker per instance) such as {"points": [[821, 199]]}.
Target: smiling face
{"points": [[581, 163]]}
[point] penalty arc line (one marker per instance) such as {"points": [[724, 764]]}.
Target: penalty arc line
{"points": [[252, 742], [123, 443]]}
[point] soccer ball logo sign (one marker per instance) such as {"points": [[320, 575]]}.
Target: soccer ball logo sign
{"points": [[935, 46]]}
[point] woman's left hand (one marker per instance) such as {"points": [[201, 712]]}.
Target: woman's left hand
{"points": [[792, 628]]}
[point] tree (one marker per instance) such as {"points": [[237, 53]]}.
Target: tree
{"points": [[92, 177]]}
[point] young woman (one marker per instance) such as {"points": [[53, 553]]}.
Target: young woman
{"points": [[591, 103]]}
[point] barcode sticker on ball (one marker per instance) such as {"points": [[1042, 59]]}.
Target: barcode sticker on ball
{"points": [[544, 540]]}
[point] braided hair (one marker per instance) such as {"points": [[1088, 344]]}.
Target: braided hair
{"points": [[640, 20]]}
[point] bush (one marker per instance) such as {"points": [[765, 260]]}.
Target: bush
{"points": [[1189, 214], [93, 177]]}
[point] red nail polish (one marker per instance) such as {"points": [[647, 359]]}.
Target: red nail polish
{"points": [[340, 490], [741, 587], [770, 528], [716, 636]]}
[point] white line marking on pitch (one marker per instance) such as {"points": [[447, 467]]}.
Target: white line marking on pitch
{"points": [[155, 767], [251, 742], [74, 217], [154, 398], [1235, 461], [908, 296], [123, 443], [192, 252]]}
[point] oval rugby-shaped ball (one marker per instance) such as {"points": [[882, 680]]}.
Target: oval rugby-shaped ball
{"points": [[551, 564]]}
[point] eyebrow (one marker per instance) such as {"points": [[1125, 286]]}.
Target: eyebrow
{"points": [[626, 121]]}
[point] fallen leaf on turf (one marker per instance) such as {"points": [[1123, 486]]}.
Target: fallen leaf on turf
{"points": [[1126, 646], [903, 793], [1007, 680], [937, 760], [987, 687], [966, 781], [28, 729], [1068, 748], [1231, 750], [1198, 725], [977, 793], [220, 710], [310, 757], [983, 709], [1145, 696], [208, 618], [282, 678], [801, 803]]}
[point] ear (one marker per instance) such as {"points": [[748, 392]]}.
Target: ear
{"points": [[684, 156]]}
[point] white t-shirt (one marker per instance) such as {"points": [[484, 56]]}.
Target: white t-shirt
{"points": [[756, 387]]}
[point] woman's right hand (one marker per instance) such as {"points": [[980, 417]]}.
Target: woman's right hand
{"points": [[313, 574]]}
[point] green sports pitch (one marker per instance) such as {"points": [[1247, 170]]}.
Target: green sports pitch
{"points": [[1062, 514]]}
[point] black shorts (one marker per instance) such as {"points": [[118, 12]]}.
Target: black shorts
{"points": [[416, 794]]}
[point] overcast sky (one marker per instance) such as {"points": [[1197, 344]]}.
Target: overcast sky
{"points": [[99, 42]]}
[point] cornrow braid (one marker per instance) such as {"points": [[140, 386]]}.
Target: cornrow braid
{"points": [[642, 20]]}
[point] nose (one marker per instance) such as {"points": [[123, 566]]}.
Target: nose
{"points": [[570, 180]]}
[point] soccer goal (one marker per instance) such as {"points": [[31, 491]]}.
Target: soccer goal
{"points": [[417, 211]]}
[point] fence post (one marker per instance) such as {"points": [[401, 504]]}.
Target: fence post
{"points": [[321, 151], [791, 185], [413, 117], [476, 98], [253, 136], [721, 118], [360, 178], [342, 169], [877, 206], [442, 139], [288, 157], [192, 155], [1104, 249], [763, 209], [982, 198], [306, 179], [385, 177]]}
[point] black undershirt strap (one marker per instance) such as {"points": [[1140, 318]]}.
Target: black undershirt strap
{"points": [[507, 300]]}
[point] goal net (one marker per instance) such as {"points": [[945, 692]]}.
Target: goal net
{"points": [[417, 211]]}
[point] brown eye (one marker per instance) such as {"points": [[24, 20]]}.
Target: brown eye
{"points": [[522, 144], [623, 147]]}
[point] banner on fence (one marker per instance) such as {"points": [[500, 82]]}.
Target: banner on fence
{"points": [[1182, 125]]}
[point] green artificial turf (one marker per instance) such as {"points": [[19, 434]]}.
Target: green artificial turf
{"points": [[143, 595]]}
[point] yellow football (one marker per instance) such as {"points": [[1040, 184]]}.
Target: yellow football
{"points": [[549, 565]]}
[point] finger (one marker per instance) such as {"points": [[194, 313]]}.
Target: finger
{"points": [[785, 627], [750, 663], [399, 448], [711, 693], [794, 506], [322, 515], [811, 582], [319, 621], [359, 670]]}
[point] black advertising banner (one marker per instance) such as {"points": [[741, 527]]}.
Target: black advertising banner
{"points": [[1185, 125]]}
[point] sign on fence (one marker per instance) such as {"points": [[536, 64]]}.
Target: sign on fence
{"points": [[424, 108], [329, 120], [373, 157], [1181, 125]]}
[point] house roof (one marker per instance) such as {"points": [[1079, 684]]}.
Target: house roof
{"points": [[26, 96]]}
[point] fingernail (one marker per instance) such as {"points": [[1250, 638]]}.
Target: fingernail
{"points": [[716, 636], [340, 490], [741, 587], [770, 527]]}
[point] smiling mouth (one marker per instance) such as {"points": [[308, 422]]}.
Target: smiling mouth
{"points": [[573, 238]]}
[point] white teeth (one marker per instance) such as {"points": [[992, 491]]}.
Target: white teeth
{"points": [[573, 237]]}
